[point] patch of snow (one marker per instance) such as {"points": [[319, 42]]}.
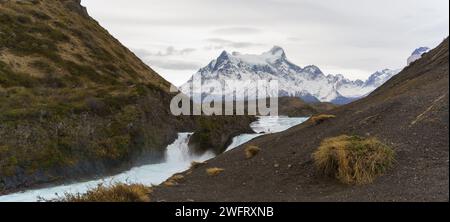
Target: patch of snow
{"points": [[307, 83], [417, 54]]}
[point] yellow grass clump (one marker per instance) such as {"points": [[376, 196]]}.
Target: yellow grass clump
{"points": [[318, 119], [195, 165], [251, 151], [214, 171], [174, 180], [353, 159], [116, 193]]}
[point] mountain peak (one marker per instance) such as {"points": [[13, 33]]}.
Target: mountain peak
{"points": [[417, 54], [380, 77], [293, 80], [224, 54], [420, 50], [277, 51], [313, 69], [305, 82]]}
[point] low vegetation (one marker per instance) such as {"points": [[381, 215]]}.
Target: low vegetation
{"points": [[353, 159], [214, 171], [73, 99], [251, 151], [116, 193], [174, 180], [319, 119], [43, 129], [195, 165], [215, 133]]}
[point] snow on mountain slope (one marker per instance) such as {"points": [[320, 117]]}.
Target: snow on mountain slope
{"points": [[308, 83], [417, 54]]}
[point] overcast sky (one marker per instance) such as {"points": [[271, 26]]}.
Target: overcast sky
{"points": [[350, 37]]}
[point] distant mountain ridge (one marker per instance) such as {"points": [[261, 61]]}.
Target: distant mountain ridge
{"points": [[308, 83], [417, 54]]}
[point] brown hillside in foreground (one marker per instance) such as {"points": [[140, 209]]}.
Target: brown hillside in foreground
{"points": [[409, 113], [74, 102]]}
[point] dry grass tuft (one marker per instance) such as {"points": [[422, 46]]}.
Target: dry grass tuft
{"points": [[251, 151], [353, 159], [195, 165], [174, 180], [214, 171], [115, 193], [318, 119]]}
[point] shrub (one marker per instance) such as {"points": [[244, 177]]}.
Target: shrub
{"points": [[174, 180], [116, 193], [353, 159], [251, 151], [318, 119], [214, 171], [203, 136], [195, 165]]}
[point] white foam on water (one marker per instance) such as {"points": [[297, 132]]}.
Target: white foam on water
{"points": [[266, 125], [178, 159]]}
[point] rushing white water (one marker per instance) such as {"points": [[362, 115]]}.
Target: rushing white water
{"points": [[177, 160], [266, 125]]}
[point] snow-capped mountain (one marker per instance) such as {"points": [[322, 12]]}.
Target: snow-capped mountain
{"points": [[308, 83], [417, 54]]}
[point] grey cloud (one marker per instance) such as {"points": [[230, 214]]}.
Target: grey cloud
{"points": [[219, 43], [169, 51], [173, 64], [162, 59], [294, 39], [142, 53], [172, 51], [237, 30], [187, 51], [380, 33]]}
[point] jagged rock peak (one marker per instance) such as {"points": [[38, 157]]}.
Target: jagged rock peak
{"points": [[277, 50]]}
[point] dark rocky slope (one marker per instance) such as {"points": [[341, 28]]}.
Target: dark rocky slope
{"points": [[295, 107], [409, 113], [75, 103]]}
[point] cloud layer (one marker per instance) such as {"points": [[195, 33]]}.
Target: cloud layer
{"points": [[353, 37]]}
